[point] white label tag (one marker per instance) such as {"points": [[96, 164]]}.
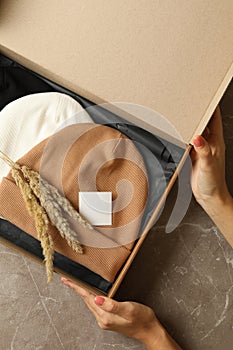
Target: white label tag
{"points": [[96, 207]]}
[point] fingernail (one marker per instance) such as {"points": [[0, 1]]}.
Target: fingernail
{"points": [[63, 279], [198, 141], [99, 301]]}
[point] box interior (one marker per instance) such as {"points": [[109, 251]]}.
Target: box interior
{"points": [[176, 61], [161, 159]]}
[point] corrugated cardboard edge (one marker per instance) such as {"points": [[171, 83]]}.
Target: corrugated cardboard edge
{"points": [[149, 225], [214, 102]]}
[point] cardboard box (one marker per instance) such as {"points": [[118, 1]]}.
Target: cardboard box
{"points": [[172, 57]]}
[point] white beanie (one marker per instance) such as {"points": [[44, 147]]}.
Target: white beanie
{"points": [[30, 119]]}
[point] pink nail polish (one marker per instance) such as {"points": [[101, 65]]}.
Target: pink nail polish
{"points": [[198, 142], [99, 301], [64, 280]]}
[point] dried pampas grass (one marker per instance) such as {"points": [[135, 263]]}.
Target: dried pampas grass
{"points": [[41, 220], [46, 205], [55, 206]]}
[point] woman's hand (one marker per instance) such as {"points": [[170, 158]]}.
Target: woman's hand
{"points": [[132, 319], [208, 160], [208, 176]]}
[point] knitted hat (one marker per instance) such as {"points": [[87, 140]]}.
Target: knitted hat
{"points": [[30, 119], [84, 158]]}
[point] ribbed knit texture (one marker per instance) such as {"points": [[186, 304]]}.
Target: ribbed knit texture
{"points": [[116, 167]]}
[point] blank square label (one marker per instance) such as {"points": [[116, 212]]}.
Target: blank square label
{"points": [[96, 207]]}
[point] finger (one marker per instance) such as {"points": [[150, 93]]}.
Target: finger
{"points": [[87, 296], [193, 155], [112, 314], [106, 320], [83, 293], [113, 322], [203, 150], [107, 311], [108, 305], [122, 309]]}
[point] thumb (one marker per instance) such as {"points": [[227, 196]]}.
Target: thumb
{"points": [[109, 305], [202, 149]]}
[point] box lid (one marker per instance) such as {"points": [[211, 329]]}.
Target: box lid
{"points": [[174, 57]]}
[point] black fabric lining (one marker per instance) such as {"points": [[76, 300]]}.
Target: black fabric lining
{"points": [[14, 235]]}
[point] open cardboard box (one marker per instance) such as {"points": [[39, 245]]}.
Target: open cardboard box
{"points": [[175, 60]]}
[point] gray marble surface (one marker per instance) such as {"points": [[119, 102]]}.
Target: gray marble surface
{"points": [[185, 276]]}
